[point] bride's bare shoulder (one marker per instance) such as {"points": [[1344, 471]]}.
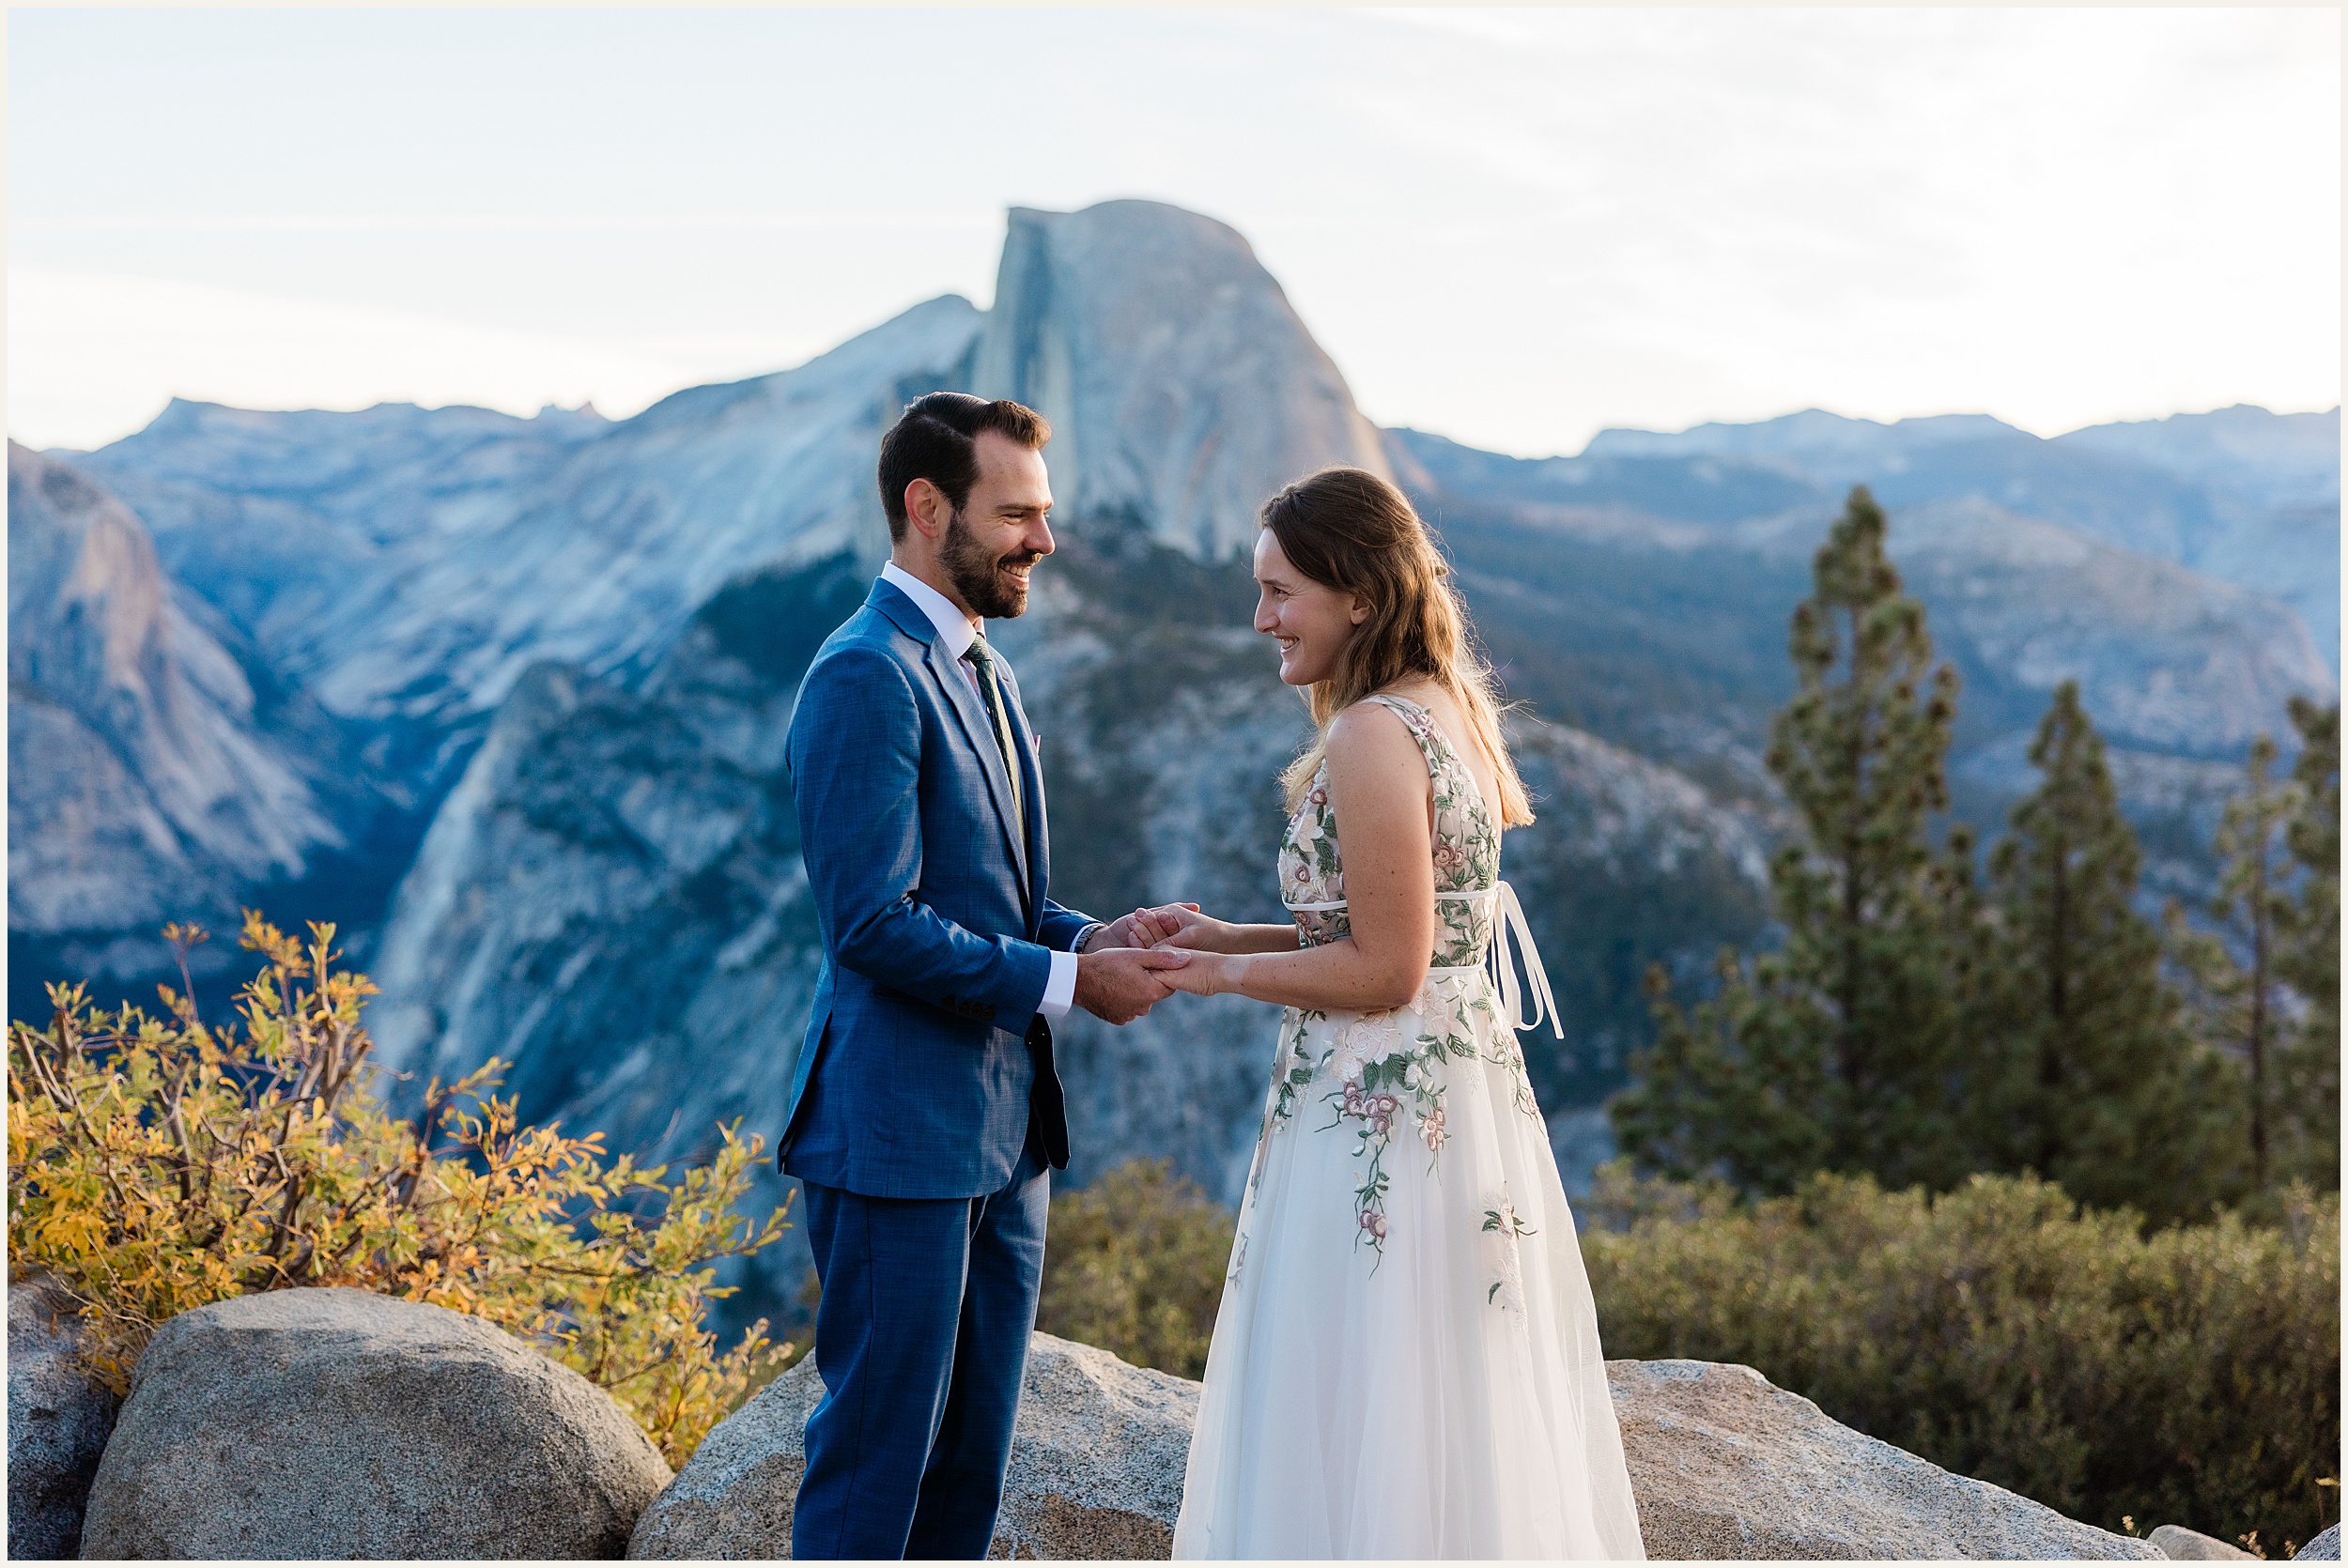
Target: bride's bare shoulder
{"points": [[1370, 740]]}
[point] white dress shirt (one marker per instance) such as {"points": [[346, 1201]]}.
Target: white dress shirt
{"points": [[955, 630]]}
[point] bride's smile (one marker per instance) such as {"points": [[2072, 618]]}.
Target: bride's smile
{"points": [[1311, 620]]}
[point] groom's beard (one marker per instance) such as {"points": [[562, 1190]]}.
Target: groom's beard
{"points": [[980, 577]]}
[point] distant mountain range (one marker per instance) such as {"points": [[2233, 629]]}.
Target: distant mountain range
{"points": [[505, 696], [2241, 495]]}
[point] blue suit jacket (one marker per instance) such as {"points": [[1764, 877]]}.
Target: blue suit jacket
{"points": [[925, 1056]]}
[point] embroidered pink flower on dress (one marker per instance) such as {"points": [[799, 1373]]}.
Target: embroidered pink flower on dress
{"points": [[1451, 1021], [1433, 1130]]}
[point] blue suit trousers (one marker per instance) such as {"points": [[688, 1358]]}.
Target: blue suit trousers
{"points": [[922, 1338]]}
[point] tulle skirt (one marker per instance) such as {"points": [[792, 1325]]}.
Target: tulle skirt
{"points": [[1406, 1362]]}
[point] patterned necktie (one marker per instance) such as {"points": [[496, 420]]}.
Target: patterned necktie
{"points": [[981, 658]]}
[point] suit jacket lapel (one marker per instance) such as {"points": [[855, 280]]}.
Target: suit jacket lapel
{"points": [[977, 732], [1031, 764], [980, 734]]}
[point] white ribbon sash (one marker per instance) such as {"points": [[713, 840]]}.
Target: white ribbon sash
{"points": [[1509, 925]]}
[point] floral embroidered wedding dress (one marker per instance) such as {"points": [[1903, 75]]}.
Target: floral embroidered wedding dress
{"points": [[1406, 1362]]}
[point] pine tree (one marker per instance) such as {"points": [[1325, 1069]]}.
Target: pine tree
{"points": [[2201, 975], [1839, 1051], [1736, 1089], [2252, 904], [2307, 954], [2098, 1084]]}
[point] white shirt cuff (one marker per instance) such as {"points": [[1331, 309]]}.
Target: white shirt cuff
{"points": [[1060, 991]]}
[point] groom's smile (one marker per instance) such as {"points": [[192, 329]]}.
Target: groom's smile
{"points": [[991, 545], [1017, 568]]}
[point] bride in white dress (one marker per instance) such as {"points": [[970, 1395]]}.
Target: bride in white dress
{"points": [[1406, 1362]]}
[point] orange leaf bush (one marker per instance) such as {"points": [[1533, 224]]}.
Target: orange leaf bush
{"points": [[157, 1163]]}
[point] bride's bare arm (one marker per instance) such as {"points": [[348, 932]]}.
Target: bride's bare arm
{"points": [[1185, 926], [1228, 937], [1379, 795]]}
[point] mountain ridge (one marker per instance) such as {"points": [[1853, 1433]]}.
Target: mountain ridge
{"points": [[2249, 498]]}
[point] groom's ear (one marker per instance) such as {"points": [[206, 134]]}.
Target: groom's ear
{"points": [[927, 509]]}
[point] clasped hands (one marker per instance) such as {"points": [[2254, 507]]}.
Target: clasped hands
{"points": [[1137, 960]]}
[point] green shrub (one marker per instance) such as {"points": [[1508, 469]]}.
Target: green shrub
{"points": [[1135, 1265], [2189, 1375]]}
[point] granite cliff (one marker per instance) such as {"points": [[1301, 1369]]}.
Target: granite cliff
{"points": [[1181, 386], [155, 774]]}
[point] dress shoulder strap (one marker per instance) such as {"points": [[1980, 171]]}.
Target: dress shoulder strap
{"points": [[1419, 722]]}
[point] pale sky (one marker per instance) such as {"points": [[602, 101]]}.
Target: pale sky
{"points": [[1513, 227]]}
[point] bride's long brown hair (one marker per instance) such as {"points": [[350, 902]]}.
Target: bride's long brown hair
{"points": [[1350, 530]]}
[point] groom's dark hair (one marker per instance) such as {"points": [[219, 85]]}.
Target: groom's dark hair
{"points": [[936, 439]]}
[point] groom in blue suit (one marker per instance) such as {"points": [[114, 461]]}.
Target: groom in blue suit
{"points": [[925, 1113]]}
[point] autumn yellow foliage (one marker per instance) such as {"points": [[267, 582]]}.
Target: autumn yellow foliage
{"points": [[157, 1163]]}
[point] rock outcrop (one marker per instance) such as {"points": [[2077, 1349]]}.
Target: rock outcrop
{"points": [[2324, 1548], [335, 1423], [58, 1422], [1181, 387], [2179, 1544], [1726, 1465], [1096, 1466]]}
